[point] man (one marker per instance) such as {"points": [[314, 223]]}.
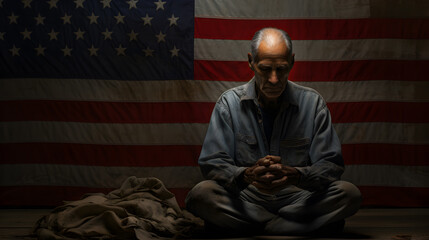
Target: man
{"points": [[271, 157]]}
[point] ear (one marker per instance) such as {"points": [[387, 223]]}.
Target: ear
{"points": [[250, 60], [292, 60]]}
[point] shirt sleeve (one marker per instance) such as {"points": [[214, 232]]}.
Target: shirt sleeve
{"points": [[327, 163], [217, 154]]}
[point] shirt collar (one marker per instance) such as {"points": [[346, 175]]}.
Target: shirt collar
{"points": [[288, 95]]}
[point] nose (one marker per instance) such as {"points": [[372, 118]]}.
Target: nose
{"points": [[273, 79]]}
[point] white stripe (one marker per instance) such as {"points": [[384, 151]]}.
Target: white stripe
{"points": [[93, 176], [282, 9], [310, 9], [185, 177], [387, 175], [112, 90], [197, 90], [188, 134], [320, 50], [366, 91], [379, 132], [103, 133]]}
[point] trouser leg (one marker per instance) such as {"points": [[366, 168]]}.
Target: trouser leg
{"points": [[341, 199], [214, 204]]}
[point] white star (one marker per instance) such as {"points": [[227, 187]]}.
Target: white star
{"points": [[92, 51], [173, 20], [161, 37], [14, 50], [107, 34], [13, 19], [133, 35], [53, 35], [174, 51], [39, 19], [79, 34], [27, 3], [93, 19], [66, 18], [119, 18], [160, 4], [132, 3], [26, 34], [79, 3], [120, 50], [148, 52], [147, 19], [106, 3], [52, 3], [2, 35], [40, 50], [67, 51]]}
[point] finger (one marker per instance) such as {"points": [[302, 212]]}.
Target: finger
{"points": [[267, 177], [259, 170], [280, 181], [263, 162], [275, 159]]}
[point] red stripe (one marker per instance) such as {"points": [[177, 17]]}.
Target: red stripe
{"points": [[315, 71], [51, 196], [394, 196], [307, 29], [99, 155], [106, 112], [386, 154], [186, 155], [401, 112]]}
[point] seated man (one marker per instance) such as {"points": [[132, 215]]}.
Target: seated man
{"points": [[271, 157]]}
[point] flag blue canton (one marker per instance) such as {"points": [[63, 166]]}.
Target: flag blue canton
{"points": [[123, 40]]}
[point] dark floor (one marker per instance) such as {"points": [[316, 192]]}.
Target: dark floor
{"points": [[368, 223]]}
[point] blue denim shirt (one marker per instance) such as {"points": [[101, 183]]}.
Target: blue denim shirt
{"points": [[302, 135]]}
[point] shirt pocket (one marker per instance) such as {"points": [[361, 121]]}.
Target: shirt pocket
{"points": [[247, 151], [294, 151]]}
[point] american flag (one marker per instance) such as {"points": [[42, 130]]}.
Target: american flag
{"points": [[92, 91]]}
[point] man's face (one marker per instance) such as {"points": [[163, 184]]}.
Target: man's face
{"points": [[272, 70]]}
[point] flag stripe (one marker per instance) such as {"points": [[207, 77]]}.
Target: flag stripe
{"points": [[106, 112], [320, 50], [357, 70], [100, 155], [387, 175], [394, 133], [185, 176], [385, 154], [199, 91], [94, 176], [345, 112], [173, 133], [185, 155], [313, 29], [103, 133], [290, 9], [197, 112]]}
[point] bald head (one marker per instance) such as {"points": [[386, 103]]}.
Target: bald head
{"points": [[270, 37]]}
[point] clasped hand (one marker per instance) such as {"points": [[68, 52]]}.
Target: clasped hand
{"points": [[270, 176]]}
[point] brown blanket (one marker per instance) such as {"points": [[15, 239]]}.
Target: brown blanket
{"points": [[141, 209]]}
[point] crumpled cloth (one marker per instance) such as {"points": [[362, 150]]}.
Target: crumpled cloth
{"points": [[142, 208]]}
